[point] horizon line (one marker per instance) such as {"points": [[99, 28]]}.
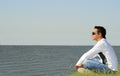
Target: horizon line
{"points": [[44, 45]]}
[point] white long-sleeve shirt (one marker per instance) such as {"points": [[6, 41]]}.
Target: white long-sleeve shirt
{"points": [[104, 47]]}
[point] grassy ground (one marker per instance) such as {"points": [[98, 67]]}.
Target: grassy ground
{"points": [[95, 74]]}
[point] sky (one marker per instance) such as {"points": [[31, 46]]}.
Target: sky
{"points": [[57, 22]]}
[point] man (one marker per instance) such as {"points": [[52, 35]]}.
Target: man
{"points": [[101, 57]]}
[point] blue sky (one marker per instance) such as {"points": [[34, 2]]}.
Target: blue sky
{"points": [[57, 22]]}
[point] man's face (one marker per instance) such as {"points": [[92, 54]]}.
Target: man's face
{"points": [[95, 34]]}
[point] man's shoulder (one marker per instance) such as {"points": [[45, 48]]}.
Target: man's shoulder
{"points": [[105, 44], [102, 43]]}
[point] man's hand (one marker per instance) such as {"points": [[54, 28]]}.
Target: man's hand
{"points": [[79, 66]]}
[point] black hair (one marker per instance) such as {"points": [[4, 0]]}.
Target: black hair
{"points": [[101, 30]]}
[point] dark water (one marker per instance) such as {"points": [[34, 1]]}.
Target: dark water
{"points": [[41, 60]]}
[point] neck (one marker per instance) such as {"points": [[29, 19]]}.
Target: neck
{"points": [[99, 39]]}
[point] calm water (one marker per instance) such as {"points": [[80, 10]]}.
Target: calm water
{"points": [[41, 60]]}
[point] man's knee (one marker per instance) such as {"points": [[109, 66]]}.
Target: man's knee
{"points": [[89, 64], [86, 63]]}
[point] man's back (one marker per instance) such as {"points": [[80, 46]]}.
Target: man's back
{"points": [[110, 55]]}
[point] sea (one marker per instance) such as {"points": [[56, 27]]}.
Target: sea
{"points": [[41, 60]]}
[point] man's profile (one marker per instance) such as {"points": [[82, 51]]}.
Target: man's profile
{"points": [[101, 57]]}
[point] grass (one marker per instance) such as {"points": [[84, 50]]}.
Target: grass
{"points": [[95, 74]]}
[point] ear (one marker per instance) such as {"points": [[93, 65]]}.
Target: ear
{"points": [[100, 34]]}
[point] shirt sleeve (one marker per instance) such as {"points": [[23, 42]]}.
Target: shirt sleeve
{"points": [[95, 50]]}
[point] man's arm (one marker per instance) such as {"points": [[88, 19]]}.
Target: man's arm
{"points": [[95, 50]]}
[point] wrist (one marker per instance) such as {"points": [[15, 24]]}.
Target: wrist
{"points": [[79, 66]]}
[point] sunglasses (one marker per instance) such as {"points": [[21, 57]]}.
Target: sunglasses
{"points": [[93, 33]]}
